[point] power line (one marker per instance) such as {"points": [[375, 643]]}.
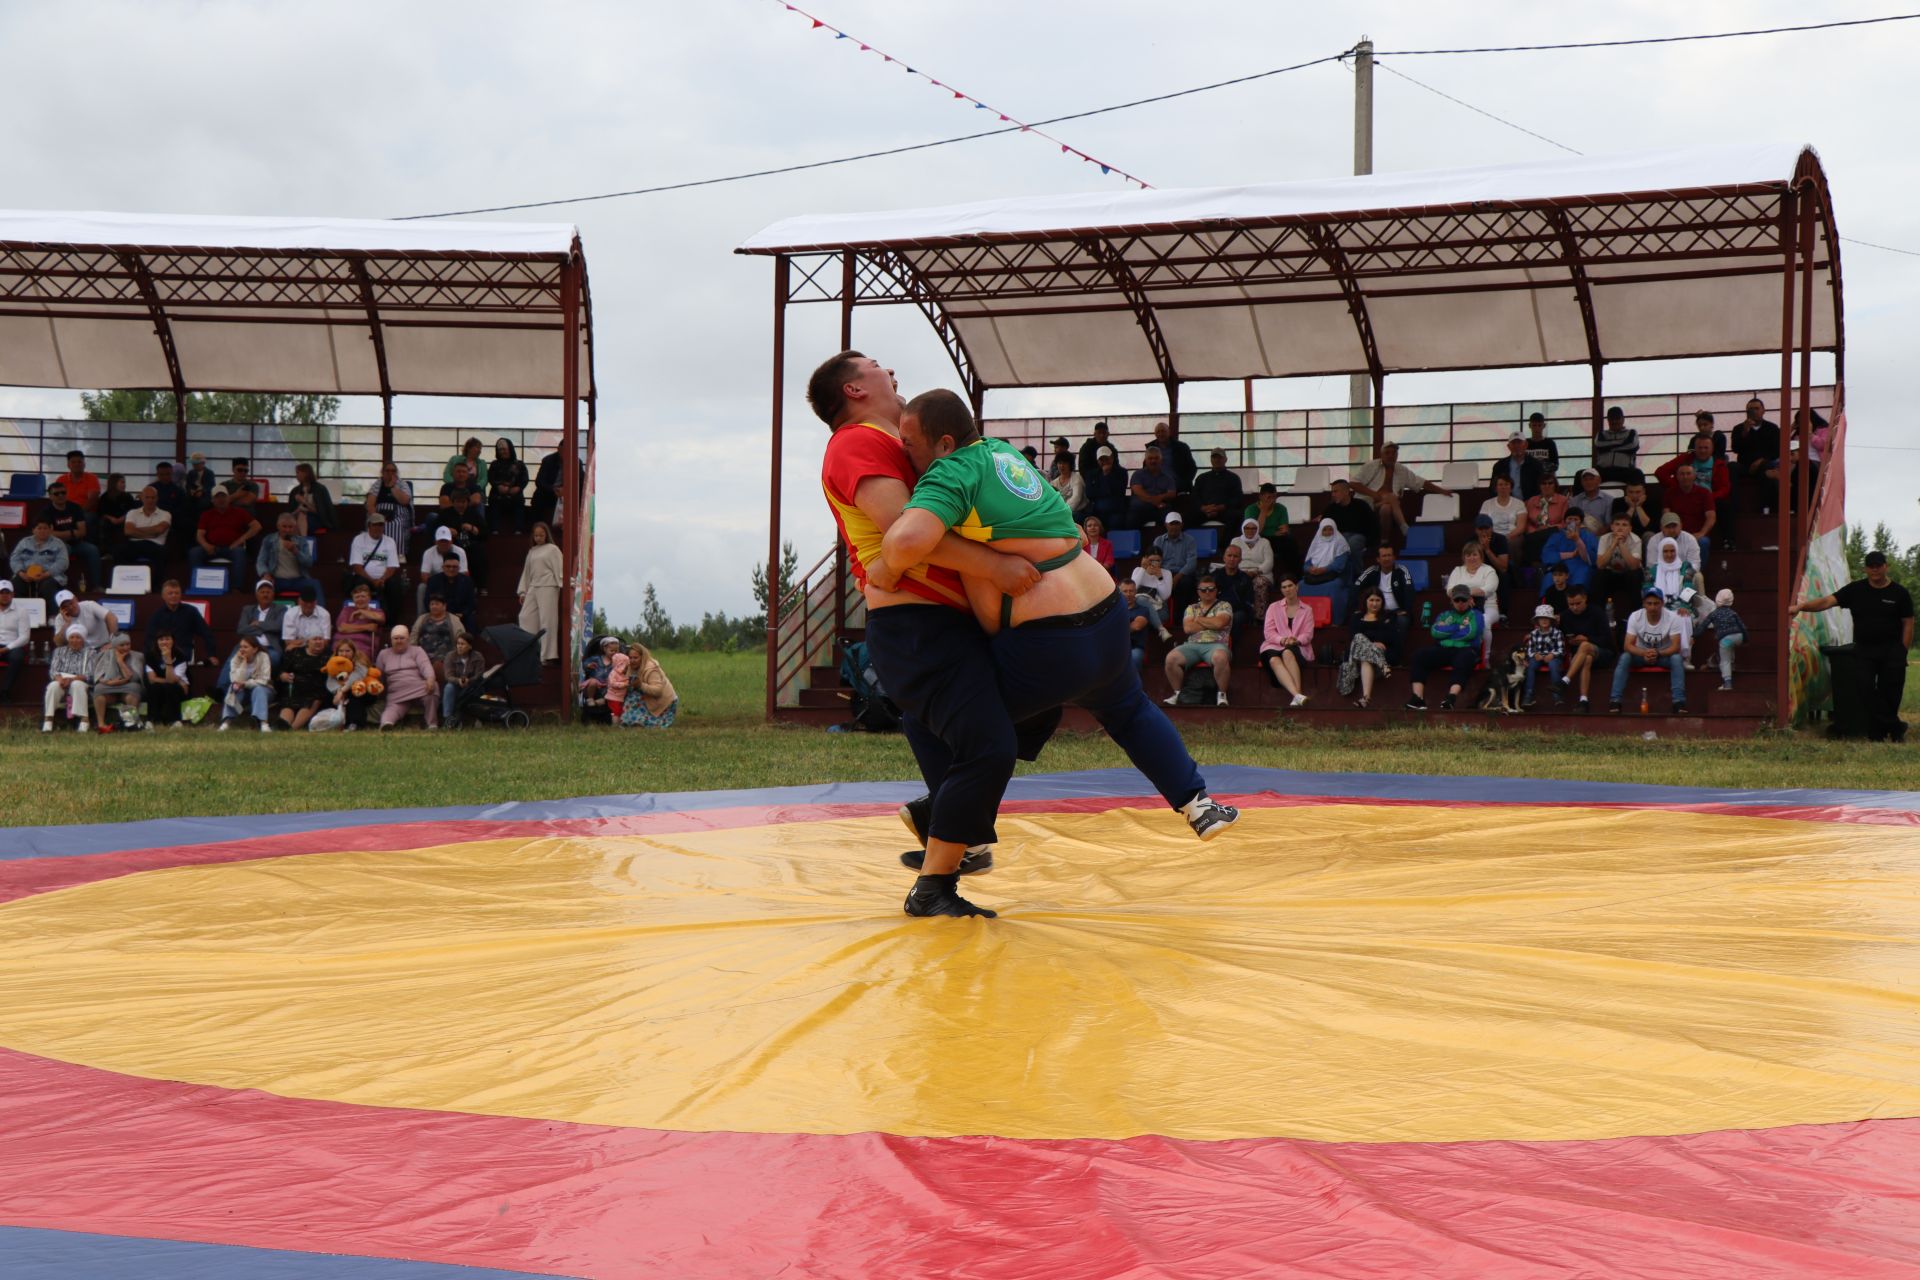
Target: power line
{"points": [[1476, 110], [1619, 44], [1911, 253]]}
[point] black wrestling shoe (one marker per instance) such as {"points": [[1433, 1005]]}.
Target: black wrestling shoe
{"points": [[975, 862], [917, 816], [1208, 817], [936, 896]]}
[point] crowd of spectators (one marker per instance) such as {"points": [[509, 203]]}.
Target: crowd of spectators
{"points": [[389, 650]]}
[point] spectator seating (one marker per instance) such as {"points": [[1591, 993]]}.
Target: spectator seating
{"points": [[27, 485], [1461, 477], [1426, 540]]}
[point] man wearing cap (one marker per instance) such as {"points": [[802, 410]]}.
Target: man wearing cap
{"points": [[1882, 612], [1519, 467], [1594, 505], [1458, 634], [182, 621], [223, 533], [1652, 640], [39, 562], [90, 618], [1179, 556], [1090, 450], [148, 526], [304, 621], [1589, 641], [1616, 449], [119, 676], [1107, 488], [435, 559], [1574, 547], [374, 560], [1683, 494], [1217, 491], [287, 559], [16, 624]]}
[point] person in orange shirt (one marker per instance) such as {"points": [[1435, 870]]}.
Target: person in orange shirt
{"points": [[83, 487]]}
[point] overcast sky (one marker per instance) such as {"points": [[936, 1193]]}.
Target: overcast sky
{"points": [[383, 109]]}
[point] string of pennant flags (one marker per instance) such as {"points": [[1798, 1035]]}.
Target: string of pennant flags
{"points": [[960, 95]]}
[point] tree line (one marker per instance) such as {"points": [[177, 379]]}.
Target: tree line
{"points": [[715, 632]]}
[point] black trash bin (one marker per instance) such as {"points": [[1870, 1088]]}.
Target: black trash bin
{"points": [[1849, 708]]}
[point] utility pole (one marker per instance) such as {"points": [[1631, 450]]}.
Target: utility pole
{"points": [[1360, 386]]}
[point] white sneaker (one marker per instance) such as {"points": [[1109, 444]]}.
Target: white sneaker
{"points": [[178, 724], [1299, 700], [1207, 817], [225, 725], [1166, 635], [81, 727], [46, 726], [266, 728], [1220, 700], [1172, 699]]}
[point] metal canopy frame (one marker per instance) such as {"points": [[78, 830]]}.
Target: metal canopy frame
{"points": [[375, 290], [1575, 243]]}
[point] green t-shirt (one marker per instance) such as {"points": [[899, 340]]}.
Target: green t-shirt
{"points": [[988, 491]]}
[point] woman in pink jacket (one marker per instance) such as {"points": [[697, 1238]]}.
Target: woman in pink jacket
{"points": [[1287, 643], [408, 674]]}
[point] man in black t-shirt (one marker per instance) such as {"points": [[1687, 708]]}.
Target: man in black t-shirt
{"points": [[1882, 613], [1590, 642]]}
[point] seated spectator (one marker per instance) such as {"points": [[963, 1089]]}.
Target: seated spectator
{"points": [[1546, 515], [1107, 493], [1155, 590], [651, 701], [303, 682], [1267, 509], [374, 561], [1670, 528], [1179, 457], [1286, 640], [1381, 485], [1153, 491], [1139, 622], [1703, 426], [147, 527], [310, 503], [506, 487], [199, 483], [1709, 477], [242, 489], [286, 559], [1503, 511], [468, 524], [1729, 631], [16, 627], [361, 622], [539, 590], [1692, 502], [111, 513], [1256, 559], [1237, 587], [1546, 647], [410, 681], [1459, 634], [1068, 484], [1653, 640], [1368, 653], [67, 672], [1618, 565], [1679, 586], [222, 534], [617, 664], [1592, 502], [435, 559], [1755, 442], [464, 667], [1394, 585], [173, 499], [118, 679], [184, 623], [1090, 449], [1540, 448], [1217, 491], [392, 499], [1589, 642], [456, 589], [94, 621], [1354, 519], [1326, 571], [39, 562], [462, 486], [594, 672], [348, 688], [1495, 550], [249, 677], [167, 687], [1616, 449], [304, 621], [79, 484], [68, 520], [261, 620], [468, 457], [1642, 512], [1520, 469], [1554, 596], [1179, 555], [436, 630], [1208, 627], [1574, 547], [1099, 546], [1481, 584]]}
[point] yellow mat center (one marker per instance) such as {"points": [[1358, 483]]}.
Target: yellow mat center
{"points": [[1341, 972]]}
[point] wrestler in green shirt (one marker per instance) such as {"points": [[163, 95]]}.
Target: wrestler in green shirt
{"points": [[987, 491]]}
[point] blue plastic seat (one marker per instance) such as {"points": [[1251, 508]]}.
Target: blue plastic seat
{"points": [[1417, 571], [1126, 543], [27, 484], [1205, 541], [1425, 540]]}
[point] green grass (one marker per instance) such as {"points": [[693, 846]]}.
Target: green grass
{"points": [[720, 742]]}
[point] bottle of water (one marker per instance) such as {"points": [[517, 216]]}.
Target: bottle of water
{"points": [[1426, 615]]}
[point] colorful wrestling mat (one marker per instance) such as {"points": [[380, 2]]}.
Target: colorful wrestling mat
{"points": [[1387, 1027]]}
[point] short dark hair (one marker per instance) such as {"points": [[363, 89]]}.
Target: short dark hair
{"points": [[1208, 580], [242, 462], [436, 596], [171, 582], [943, 413], [825, 386], [308, 593], [76, 453]]}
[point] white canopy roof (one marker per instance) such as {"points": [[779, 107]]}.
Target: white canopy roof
{"points": [[319, 305], [1578, 260]]}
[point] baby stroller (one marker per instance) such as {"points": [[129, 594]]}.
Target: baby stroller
{"points": [[489, 700]]}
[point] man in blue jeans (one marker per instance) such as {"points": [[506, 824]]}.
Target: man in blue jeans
{"points": [[1653, 640]]}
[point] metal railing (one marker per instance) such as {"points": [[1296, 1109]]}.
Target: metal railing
{"points": [[345, 457], [1277, 443], [822, 604]]}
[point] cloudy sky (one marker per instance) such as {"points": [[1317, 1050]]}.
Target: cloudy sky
{"points": [[384, 109]]}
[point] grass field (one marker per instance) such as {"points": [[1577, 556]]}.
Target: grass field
{"points": [[720, 742]]}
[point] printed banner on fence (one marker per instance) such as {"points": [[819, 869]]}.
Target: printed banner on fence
{"points": [[1809, 680]]}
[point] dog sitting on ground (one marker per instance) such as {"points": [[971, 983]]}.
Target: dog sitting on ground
{"points": [[1506, 683]]}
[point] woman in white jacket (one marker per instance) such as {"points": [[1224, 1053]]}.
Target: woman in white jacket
{"points": [[539, 590]]}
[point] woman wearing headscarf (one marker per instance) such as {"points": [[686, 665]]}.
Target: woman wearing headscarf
{"points": [[1324, 568], [506, 489], [1674, 576], [1256, 560]]}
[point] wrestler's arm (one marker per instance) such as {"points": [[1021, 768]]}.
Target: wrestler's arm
{"points": [[881, 499]]}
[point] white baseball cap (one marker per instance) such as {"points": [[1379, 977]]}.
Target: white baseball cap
{"points": [[5, 585], [61, 597], [443, 534], [1174, 517]]}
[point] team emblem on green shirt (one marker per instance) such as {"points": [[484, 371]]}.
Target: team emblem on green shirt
{"points": [[1021, 480]]}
